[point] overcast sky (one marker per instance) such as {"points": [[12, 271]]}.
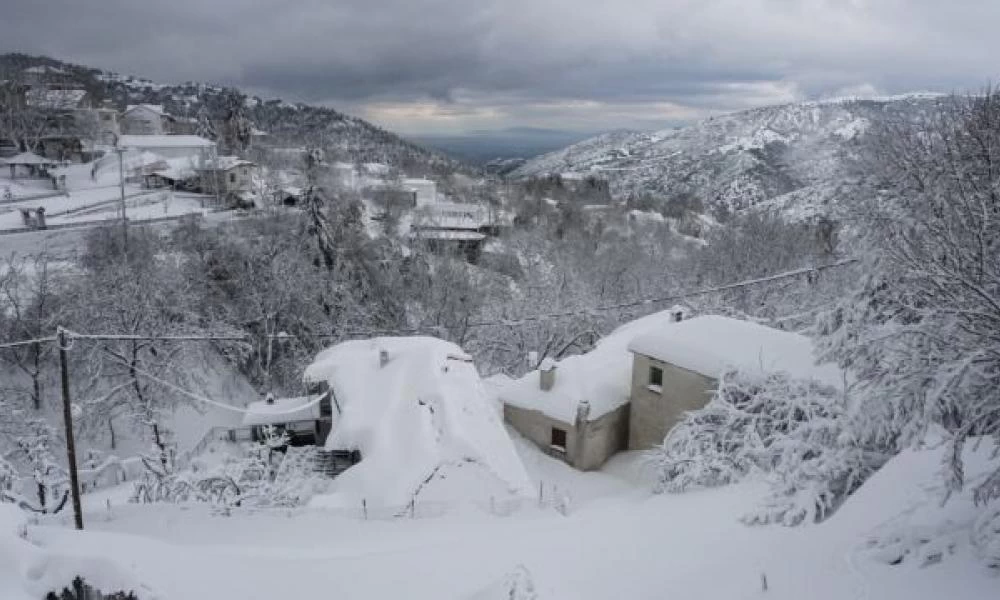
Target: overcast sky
{"points": [[420, 66]]}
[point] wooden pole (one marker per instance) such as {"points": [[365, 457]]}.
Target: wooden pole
{"points": [[74, 478]]}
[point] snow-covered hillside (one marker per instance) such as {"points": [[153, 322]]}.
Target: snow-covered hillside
{"points": [[735, 161]]}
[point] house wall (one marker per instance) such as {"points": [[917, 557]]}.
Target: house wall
{"points": [[587, 448], [537, 427], [141, 121], [602, 439], [653, 414]]}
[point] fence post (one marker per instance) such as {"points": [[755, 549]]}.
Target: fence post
{"points": [[540, 484], [364, 508], [413, 503]]}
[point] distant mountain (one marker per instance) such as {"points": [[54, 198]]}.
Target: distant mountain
{"points": [[343, 136], [479, 147], [790, 155]]}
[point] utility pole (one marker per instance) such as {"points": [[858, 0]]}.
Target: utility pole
{"points": [[121, 187], [74, 478]]}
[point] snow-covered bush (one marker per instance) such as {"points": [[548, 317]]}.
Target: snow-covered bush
{"points": [[793, 431], [262, 477]]}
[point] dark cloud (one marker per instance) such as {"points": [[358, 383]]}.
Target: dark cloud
{"points": [[419, 65]]}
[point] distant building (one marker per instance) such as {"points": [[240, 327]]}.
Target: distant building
{"points": [[425, 189], [169, 146], [446, 225], [145, 119], [230, 177]]}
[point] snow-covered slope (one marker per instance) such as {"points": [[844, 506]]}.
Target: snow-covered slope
{"points": [[423, 422], [734, 161]]}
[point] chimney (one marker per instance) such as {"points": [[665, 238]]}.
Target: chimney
{"points": [[383, 358], [547, 374]]}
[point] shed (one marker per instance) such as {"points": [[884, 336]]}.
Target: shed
{"points": [[306, 419]]}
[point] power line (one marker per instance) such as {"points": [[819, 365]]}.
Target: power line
{"points": [[204, 399], [19, 343]]}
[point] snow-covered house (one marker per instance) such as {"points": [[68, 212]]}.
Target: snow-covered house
{"points": [[453, 224], [145, 119], [228, 175], [169, 146], [677, 368], [306, 420], [635, 384], [418, 414], [425, 189], [577, 409]]}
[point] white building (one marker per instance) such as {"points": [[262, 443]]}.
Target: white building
{"points": [[425, 189], [346, 175], [169, 146], [145, 119]]}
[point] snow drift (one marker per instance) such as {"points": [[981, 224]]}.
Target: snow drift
{"points": [[417, 411], [28, 572]]}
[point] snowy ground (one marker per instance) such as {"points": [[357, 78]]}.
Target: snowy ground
{"points": [[616, 541], [88, 199]]}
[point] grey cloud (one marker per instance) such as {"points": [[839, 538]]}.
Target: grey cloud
{"points": [[704, 55]]}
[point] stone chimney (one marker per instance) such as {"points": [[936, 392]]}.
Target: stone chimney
{"points": [[547, 374]]}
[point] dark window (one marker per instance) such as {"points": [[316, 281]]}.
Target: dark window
{"points": [[558, 438], [232, 178], [656, 376]]}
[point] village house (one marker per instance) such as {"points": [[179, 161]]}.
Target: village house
{"points": [[306, 420], [145, 119], [637, 383], [169, 146], [229, 177], [452, 225], [425, 190]]}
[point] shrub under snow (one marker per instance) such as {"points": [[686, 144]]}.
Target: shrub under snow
{"points": [[793, 431]]}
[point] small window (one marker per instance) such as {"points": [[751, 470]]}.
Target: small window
{"points": [[559, 439], [232, 178], [655, 379]]}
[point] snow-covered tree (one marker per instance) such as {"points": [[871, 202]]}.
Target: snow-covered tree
{"points": [[795, 433], [920, 331]]}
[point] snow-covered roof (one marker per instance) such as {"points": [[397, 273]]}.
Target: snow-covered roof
{"points": [[41, 97], [451, 215], [602, 376], [424, 413], [164, 141], [224, 163], [712, 344], [282, 410], [27, 158], [177, 169], [445, 234], [154, 108]]}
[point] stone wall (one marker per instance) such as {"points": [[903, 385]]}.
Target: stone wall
{"points": [[654, 413]]}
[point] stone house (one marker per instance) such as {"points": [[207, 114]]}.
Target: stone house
{"points": [[227, 175], [637, 383], [145, 119], [676, 369]]}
